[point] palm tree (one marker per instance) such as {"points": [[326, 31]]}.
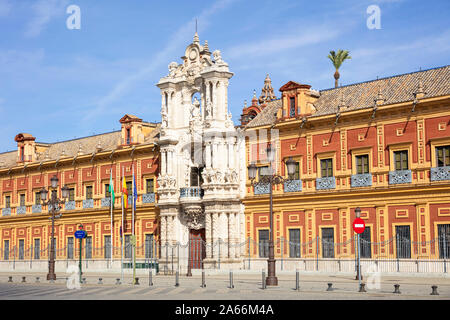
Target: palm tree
{"points": [[337, 60]]}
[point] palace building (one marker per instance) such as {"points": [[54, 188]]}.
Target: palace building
{"points": [[381, 145]]}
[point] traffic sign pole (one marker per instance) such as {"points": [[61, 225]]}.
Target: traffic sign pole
{"points": [[80, 234], [359, 226]]}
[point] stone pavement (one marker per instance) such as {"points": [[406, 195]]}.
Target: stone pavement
{"points": [[246, 287]]}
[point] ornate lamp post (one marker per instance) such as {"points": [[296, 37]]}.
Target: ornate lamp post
{"points": [[358, 267], [54, 203], [270, 178]]}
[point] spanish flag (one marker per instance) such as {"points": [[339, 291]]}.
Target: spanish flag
{"points": [[125, 193]]}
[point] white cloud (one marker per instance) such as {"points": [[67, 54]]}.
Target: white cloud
{"points": [[177, 39], [5, 7], [44, 11]]}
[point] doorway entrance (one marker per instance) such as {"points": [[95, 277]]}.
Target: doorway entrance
{"points": [[197, 248]]}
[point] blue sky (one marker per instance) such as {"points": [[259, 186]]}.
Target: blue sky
{"points": [[58, 84]]}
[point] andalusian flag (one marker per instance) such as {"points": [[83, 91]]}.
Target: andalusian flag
{"points": [[111, 189], [125, 193]]}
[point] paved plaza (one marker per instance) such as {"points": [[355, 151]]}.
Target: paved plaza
{"points": [[246, 287]]}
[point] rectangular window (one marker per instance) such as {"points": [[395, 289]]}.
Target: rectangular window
{"points": [[22, 154], [70, 248], [88, 247], [292, 107], [149, 246], [362, 164], [6, 250], [37, 198], [107, 252], [22, 200], [326, 166], [37, 249], [263, 171], [327, 242], [443, 156], [127, 246], [366, 251], [263, 243], [149, 186], [71, 194], [128, 136], [294, 243], [296, 175], [194, 177], [21, 249], [107, 193], [403, 241], [88, 192], [401, 160], [129, 189], [444, 241], [7, 201]]}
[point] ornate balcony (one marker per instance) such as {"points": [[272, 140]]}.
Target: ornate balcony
{"points": [[440, 173], [88, 203], [325, 183], [400, 176], [6, 211], [148, 198], [293, 186], [21, 210], [106, 202], [192, 192], [69, 205], [36, 208], [262, 188], [361, 180]]}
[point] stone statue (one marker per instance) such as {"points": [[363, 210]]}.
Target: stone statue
{"points": [[218, 58], [195, 108], [173, 69]]}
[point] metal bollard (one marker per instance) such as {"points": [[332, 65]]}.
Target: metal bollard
{"points": [[52, 281], [231, 280], [397, 288], [362, 288], [37, 279], [100, 281], [330, 285], [203, 279], [136, 283], [297, 280], [10, 279], [176, 279], [84, 280], [434, 291], [23, 279], [150, 278], [118, 281], [263, 280]]}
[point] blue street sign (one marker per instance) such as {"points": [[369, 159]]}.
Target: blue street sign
{"points": [[80, 234]]}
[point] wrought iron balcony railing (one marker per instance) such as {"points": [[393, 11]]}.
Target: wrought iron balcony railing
{"points": [[69, 205], [262, 188], [88, 203], [148, 198], [400, 176], [325, 183], [21, 210], [361, 180], [293, 185], [191, 192], [440, 173]]}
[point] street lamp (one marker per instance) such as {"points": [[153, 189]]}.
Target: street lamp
{"points": [[268, 177], [358, 267], [54, 204]]}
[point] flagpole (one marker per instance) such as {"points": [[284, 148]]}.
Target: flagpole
{"points": [[112, 229], [132, 231], [121, 265]]}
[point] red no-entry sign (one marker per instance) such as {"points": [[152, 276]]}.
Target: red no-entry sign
{"points": [[359, 225]]}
